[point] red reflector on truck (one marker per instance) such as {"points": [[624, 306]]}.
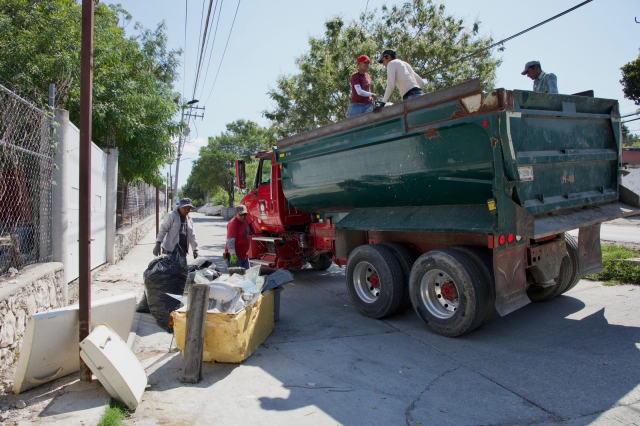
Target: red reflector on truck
{"points": [[511, 238], [502, 240]]}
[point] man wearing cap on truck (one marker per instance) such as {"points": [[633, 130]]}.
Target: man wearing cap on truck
{"points": [[400, 73], [237, 248], [361, 97], [177, 230], [542, 82]]}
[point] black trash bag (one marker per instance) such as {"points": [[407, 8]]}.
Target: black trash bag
{"points": [[143, 305], [165, 274]]}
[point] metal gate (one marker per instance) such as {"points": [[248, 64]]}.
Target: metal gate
{"points": [[98, 203]]}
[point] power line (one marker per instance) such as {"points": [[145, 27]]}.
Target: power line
{"points": [[464, 58], [206, 74], [223, 53], [202, 47]]}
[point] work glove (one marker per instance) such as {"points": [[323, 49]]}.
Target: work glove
{"points": [[378, 107], [156, 250], [233, 260], [195, 254]]}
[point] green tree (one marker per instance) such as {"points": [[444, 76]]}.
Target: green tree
{"points": [[192, 190], [631, 80], [134, 103], [215, 167], [420, 32]]}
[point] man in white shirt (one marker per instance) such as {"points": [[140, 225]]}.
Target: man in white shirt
{"points": [[400, 73]]}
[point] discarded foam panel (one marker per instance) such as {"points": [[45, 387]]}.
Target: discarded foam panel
{"points": [[50, 345], [115, 365]]}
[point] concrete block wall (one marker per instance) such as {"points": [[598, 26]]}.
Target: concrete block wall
{"points": [[38, 288], [127, 238]]}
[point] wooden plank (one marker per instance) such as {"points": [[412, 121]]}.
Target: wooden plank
{"points": [[194, 344]]}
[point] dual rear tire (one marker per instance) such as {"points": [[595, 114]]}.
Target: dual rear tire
{"points": [[567, 279], [450, 289]]}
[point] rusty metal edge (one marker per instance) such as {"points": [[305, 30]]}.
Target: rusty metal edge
{"points": [[468, 88]]}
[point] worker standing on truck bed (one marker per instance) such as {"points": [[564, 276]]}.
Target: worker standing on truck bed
{"points": [[361, 97], [177, 230], [542, 82], [400, 73], [237, 248]]}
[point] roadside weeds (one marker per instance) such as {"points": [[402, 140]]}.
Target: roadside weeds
{"points": [[619, 266], [114, 414]]}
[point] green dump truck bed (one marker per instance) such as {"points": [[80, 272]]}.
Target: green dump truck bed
{"points": [[459, 161]]}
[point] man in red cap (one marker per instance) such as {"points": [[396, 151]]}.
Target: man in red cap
{"points": [[361, 97]]}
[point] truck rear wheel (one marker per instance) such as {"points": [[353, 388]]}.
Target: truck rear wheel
{"points": [[406, 257], [572, 249], [374, 281], [322, 264], [484, 262], [448, 292], [541, 294]]}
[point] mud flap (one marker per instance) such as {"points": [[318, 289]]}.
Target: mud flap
{"points": [[511, 281], [589, 250]]}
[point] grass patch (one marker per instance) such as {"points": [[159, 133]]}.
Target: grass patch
{"points": [[616, 271], [116, 412]]}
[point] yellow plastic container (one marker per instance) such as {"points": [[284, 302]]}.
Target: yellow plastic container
{"points": [[231, 338]]}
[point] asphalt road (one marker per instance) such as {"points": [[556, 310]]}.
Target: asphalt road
{"points": [[570, 361]]}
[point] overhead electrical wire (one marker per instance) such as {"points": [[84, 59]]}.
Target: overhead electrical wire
{"points": [[202, 47], [206, 73], [223, 53], [472, 54]]}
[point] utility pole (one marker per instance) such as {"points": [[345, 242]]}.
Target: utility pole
{"points": [[157, 210], [185, 133], [86, 100]]}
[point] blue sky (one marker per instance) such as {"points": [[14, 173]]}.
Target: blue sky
{"points": [[585, 48]]}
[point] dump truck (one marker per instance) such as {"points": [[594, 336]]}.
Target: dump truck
{"points": [[456, 203]]}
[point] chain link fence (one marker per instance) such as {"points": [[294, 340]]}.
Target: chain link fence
{"points": [[26, 167], [136, 202]]}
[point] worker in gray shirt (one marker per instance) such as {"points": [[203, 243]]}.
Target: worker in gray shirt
{"points": [[177, 230], [543, 82]]}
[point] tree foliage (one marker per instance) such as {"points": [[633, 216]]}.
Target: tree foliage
{"points": [[133, 100], [631, 80], [215, 167], [421, 33]]}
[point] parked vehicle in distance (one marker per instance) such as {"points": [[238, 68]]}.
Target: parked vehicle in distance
{"points": [[450, 203]]}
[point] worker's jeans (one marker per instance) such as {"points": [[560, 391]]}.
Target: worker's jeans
{"points": [[242, 263], [357, 109]]}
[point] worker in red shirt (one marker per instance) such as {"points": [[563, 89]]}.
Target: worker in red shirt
{"points": [[237, 248], [361, 97]]}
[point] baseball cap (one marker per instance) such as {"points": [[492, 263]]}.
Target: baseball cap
{"points": [[185, 202], [364, 58], [385, 53], [529, 65], [241, 209]]}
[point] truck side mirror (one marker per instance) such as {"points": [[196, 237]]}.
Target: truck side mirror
{"points": [[241, 175]]}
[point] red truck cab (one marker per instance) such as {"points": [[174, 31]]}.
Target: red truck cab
{"points": [[283, 236]]}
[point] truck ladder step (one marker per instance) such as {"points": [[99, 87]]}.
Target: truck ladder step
{"points": [[268, 239], [261, 262]]}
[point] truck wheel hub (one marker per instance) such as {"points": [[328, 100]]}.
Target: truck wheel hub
{"points": [[439, 294], [366, 282]]}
